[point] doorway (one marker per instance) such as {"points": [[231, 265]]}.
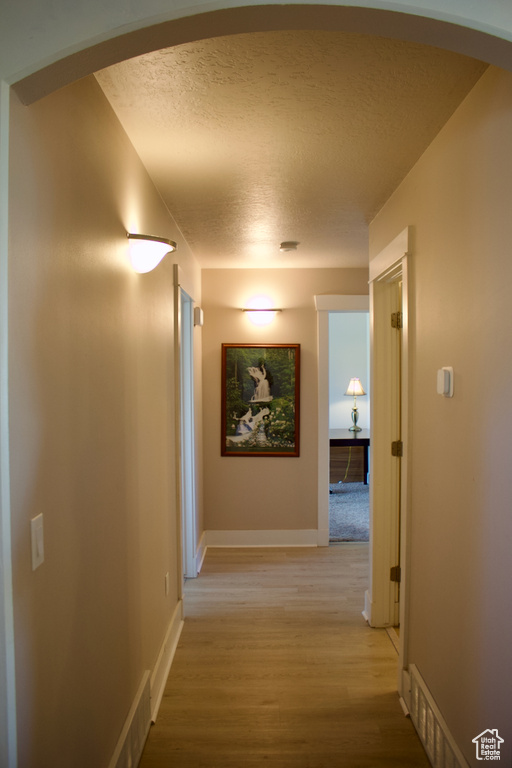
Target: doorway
{"points": [[324, 306], [349, 359]]}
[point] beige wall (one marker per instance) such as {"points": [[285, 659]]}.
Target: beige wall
{"points": [[91, 422], [457, 200], [265, 493]]}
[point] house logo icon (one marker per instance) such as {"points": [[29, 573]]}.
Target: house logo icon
{"points": [[488, 745]]}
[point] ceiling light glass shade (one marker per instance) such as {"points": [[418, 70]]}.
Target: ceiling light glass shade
{"points": [[355, 388], [146, 251], [260, 311]]}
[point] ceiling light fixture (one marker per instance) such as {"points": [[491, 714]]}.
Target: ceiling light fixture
{"points": [[288, 245], [146, 251]]}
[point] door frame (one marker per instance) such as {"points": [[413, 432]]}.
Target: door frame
{"points": [[324, 305], [186, 501], [389, 266], [8, 734], [187, 426]]}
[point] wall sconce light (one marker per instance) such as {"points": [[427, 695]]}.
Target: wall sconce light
{"points": [[260, 310], [146, 251], [355, 390]]}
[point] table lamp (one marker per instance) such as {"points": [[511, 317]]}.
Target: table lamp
{"points": [[355, 390]]}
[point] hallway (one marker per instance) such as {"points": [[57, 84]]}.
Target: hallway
{"points": [[276, 666]]}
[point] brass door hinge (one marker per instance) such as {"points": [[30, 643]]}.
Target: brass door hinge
{"points": [[397, 320], [397, 448], [395, 574]]}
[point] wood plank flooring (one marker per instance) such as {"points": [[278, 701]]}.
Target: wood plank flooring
{"points": [[277, 667]]}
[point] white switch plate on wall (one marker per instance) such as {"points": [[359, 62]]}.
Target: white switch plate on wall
{"points": [[445, 381], [36, 531]]}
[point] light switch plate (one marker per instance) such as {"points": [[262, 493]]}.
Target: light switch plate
{"points": [[445, 381], [36, 532]]}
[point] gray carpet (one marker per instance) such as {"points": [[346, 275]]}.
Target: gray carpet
{"points": [[349, 512]]}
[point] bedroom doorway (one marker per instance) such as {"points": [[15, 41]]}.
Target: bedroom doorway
{"points": [[326, 304], [349, 360]]}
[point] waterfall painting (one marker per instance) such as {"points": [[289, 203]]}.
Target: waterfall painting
{"points": [[260, 399]]}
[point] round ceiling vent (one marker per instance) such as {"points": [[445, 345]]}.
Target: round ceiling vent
{"points": [[288, 245]]}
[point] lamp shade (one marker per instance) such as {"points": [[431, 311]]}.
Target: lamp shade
{"points": [[355, 388], [260, 311], [146, 251]]}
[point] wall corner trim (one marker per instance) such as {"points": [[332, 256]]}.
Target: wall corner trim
{"points": [[8, 729]]}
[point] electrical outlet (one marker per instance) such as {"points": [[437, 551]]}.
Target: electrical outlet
{"points": [[37, 540]]}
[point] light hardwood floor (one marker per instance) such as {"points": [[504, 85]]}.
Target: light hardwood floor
{"points": [[277, 667]]}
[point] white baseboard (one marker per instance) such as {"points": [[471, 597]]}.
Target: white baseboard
{"points": [[292, 538], [145, 706], [404, 706], [376, 613], [201, 552], [164, 661], [404, 687], [131, 742], [432, 728]]}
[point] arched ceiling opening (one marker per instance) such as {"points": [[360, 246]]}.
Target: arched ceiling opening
{"points": [[268, 123], [67, 67]]}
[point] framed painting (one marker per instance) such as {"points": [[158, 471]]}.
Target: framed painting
{"points": [[260, 399]]}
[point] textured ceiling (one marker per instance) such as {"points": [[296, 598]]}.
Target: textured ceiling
{"points": [[258, 138]]}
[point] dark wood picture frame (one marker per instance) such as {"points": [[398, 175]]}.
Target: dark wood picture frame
{"points": [[260, 408]]}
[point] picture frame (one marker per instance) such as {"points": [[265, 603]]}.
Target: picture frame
{"points": [[260, 408]]}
